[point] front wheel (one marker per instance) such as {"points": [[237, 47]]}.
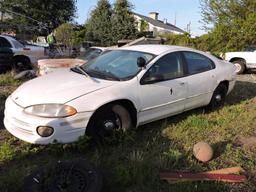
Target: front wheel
{"points": [[109, 120], [218, 97]]}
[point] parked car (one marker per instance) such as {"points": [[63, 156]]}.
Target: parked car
{"points": [[6, 59], [92, 53], [120, 89], [24, 55], [243, 60]]}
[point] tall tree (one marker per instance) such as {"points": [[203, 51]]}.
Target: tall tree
{"points": [[99, 27], [65, 34], [40, 13], [232, 22], [123, 21]]}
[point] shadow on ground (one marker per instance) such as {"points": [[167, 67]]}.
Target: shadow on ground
{"points": [[132, 164], [243, 91], [3, 97]]}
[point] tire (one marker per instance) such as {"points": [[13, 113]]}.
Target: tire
{"points": [[240, 66], [69, 176], [21, 64], [108, 121], [218, 97]]}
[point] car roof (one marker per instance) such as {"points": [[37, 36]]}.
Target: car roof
{"points": [[155, 49], [8, 37]]}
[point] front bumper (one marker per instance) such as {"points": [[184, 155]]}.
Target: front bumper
{"points": [[23, 126]]}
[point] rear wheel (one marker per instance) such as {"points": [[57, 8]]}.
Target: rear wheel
{"points": [[240, 66], [218, 97], [108, 121], [22, 64]]}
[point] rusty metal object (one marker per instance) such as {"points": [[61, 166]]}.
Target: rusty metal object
{"points": [[178, 176], [225, 175], [49, 65]]}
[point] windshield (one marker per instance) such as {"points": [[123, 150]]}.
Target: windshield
{"points": [[120, 64], [90, 54], [250, 48]]}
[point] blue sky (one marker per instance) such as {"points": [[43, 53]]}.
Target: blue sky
{"points": [[186, 11]]}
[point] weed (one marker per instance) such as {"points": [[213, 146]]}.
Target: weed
{"points": [[132, 161]]}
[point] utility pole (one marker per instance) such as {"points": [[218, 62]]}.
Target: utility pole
{"points": [[189, 27], [175, 18]]}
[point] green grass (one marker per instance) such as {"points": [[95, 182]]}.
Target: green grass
{"points": [[8, 80], [132, 163]]}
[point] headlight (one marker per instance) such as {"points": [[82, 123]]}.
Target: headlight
{"points": [[51, 110]]}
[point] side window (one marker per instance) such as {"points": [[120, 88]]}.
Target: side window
{"points": [[166, 68], [4, 43], [197, 63], [17, 44]]}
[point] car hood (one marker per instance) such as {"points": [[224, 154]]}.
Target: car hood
{"points": [[58, 87]]}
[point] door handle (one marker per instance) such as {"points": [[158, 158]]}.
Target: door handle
{"points": [[182, 83], [171, 91]]}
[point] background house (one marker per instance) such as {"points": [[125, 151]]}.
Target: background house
{"points": [[151, 23], [4, 16]]}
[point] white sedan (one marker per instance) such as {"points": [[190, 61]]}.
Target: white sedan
{"points": [[118, 90]]}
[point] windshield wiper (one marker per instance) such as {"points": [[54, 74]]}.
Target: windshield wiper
{"points": [[81, 70], [105, 74]]}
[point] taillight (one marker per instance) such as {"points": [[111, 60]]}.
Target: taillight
{"points": [[26, 49]]}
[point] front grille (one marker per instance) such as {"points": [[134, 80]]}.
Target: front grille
{"points": [[20, 122], [17, 128], [14, 123]]}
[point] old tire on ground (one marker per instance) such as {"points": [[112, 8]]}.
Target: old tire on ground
{"points": [[109, 120], [240, 66], [21, 64], [218, 97], [69, 176]]}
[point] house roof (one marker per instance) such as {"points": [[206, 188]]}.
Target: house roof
{"points": [[159, 23]]}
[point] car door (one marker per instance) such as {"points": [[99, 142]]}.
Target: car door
{"points": [[162, 89], [201, 79]]}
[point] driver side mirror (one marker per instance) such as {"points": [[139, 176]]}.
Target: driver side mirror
{"points": [[141, 62]]}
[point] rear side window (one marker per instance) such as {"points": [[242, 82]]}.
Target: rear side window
{"points": [[197, 63], [17, 44], [4, 43]]}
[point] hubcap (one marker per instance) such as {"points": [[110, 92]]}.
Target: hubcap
{"points": [[109, 125], [218, 98], [238, 67], [20, 64]]}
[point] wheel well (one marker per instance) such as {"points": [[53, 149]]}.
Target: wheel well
{"points": [[123, 102], [226, 83], [21, 57], [238, 58]]}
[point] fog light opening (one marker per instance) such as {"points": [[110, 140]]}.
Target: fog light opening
{"points": [[45, 131]]}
